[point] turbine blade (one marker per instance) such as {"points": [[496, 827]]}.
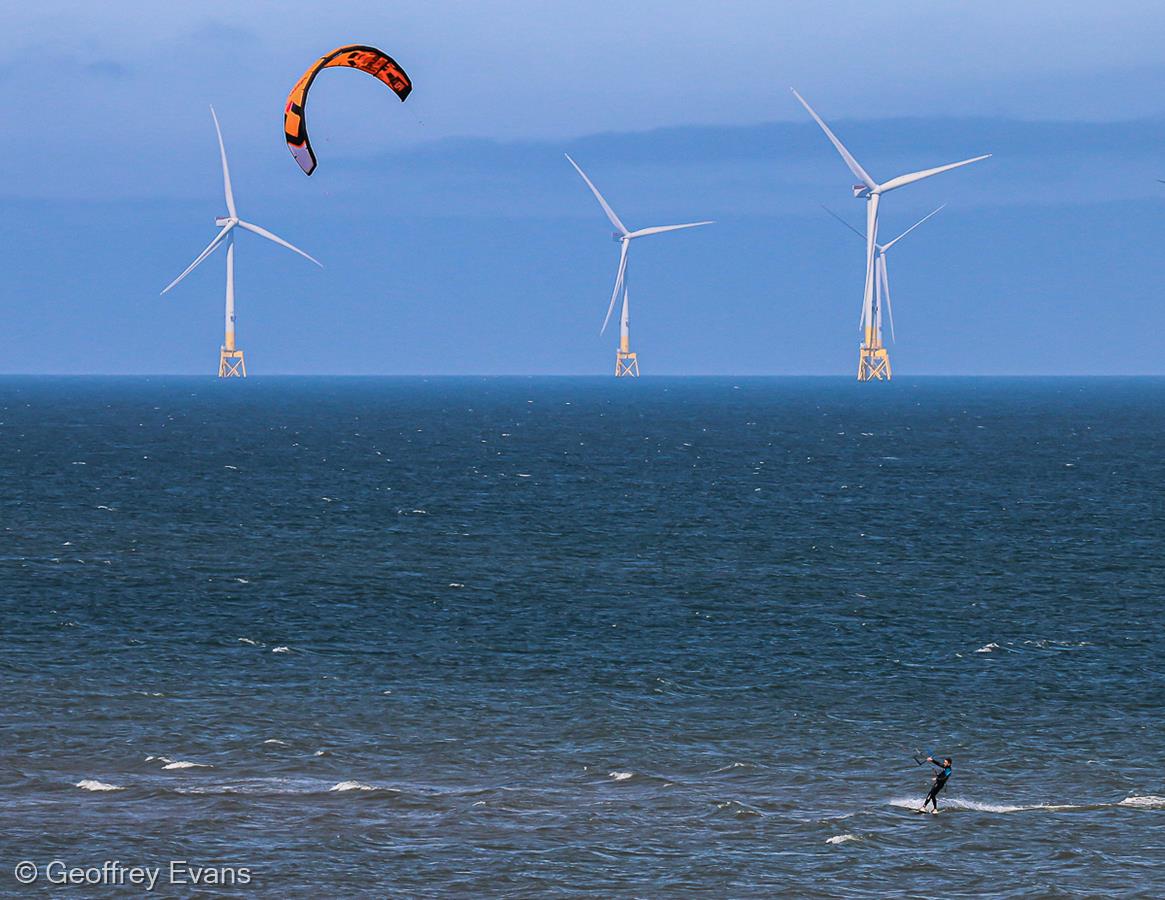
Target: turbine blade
{"points": [[843, 221], [263, 232], [854, 165], [210, 248], [660, 229], [603, 203], [624, 245], [886, 247], [886, 292], [903, 180], [226, 172]]}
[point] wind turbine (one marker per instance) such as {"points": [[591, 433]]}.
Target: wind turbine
{"points": [[873, 360], [881, 276], [230, 361], [626, 362]]}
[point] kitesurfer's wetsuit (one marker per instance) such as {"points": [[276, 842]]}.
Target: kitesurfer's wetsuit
{"points": [[940, 781]]}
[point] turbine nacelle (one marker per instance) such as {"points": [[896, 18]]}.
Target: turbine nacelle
{"points": [[225, 220], [860, 190], [617, 237]]}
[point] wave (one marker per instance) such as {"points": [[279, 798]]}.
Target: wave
{"points": [[89, 784], [272, 787], [738, 810], [732, 766], [177, 763], [344, 786]]}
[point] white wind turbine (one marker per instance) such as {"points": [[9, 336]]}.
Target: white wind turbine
{"points": [[873, 360], [626, 362], [881, 276], [231, 362]]}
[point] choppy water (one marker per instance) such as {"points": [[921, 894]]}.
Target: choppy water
{"points": [[570, 637]]}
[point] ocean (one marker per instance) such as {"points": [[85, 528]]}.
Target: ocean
{"points": [[508, 637]]}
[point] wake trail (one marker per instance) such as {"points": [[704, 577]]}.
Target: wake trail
{"points": [[959, 803]]}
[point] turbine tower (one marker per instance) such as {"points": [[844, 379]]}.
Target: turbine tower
{"points": [[230, 360], [873, 359], [626, 362], [881, 276]]}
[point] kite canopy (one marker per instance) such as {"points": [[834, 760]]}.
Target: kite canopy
{"points": [[375, 62]]}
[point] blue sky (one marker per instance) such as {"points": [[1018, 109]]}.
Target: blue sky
{"points": [[456, 239]]}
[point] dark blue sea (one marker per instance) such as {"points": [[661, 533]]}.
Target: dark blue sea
{"points": [[574, 637]]}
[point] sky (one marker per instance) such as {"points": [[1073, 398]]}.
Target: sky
{"points": [[456, 239]]}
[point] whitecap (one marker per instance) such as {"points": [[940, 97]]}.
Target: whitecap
{"points": [[1147, 801], [242, 581], [988, 648], [738, 809], [842, 838], [248, 641], [89, 784], [620, 776], [351, 786], [183, 764], [275, 741], [280, 649]]}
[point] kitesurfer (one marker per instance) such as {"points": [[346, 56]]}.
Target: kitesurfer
{"points": [[942, 773]]}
